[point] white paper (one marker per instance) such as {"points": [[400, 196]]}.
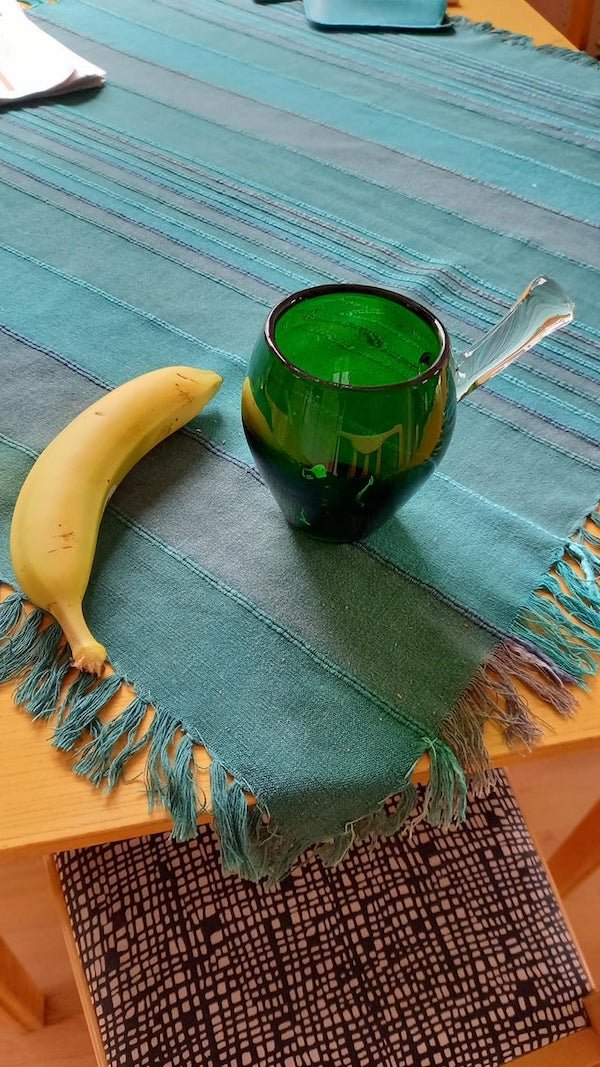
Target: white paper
{"points": [[34, 64]]}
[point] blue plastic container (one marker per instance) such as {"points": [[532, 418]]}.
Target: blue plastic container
{"points": [[395, 14]]}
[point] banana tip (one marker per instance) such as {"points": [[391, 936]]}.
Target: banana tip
{"points": [[90, 658]]}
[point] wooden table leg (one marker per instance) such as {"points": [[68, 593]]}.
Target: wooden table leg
{"points": [[579, 853], [20, 998]]}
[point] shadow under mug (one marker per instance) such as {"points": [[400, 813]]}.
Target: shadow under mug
{"points": [[348, 406]]}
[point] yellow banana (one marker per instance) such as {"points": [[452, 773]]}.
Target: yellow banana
{"points": [[58, 511]]}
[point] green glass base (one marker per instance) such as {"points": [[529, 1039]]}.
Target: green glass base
{"points": [[340, 507]]}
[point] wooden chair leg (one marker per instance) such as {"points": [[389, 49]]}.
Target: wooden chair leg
{"points": [[578, 855], [89, 1011], [592, 1007], [20, 998]]}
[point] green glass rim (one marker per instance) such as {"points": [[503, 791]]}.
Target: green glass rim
{"points": [[374, 290]]}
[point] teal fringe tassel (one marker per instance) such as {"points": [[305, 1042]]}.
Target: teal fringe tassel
{"points": [[590, 565], [404, 808], [99, 760], [158, 765], [11, 610], [581, 600], [20, 650], [236, 824], [83, 710], [520, 40], [117, 766], [181, 791], [82, 684], [385, 822], [40, 691], [566, 628], [334, 851], [170, 779], [563, 643], [590, 538], [445, 801]]}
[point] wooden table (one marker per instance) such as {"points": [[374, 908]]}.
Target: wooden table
{"points": [[44, 807]]}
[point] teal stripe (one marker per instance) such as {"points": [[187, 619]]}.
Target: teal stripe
{"points": [[316, 224], [124, 138], [484, 53], [254, 147], [373, 48], [555, 115], [146, 238], [504, 389], [180, 232], [392, 277], [187, 200], [260, 150], [543, 403], [537, 428], [470, 53], [236, 438], [233, 436], [221, 213], [496, 165], [347, 233], [106, 327], [185, 26], [215, 289], [217, 354], [305, 230], [564, 380]]}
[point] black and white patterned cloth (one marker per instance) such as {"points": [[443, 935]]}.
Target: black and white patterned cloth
{"points": [[446, 949]]}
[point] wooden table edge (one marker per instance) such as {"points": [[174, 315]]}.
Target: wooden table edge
{"points": [[136, 821]]}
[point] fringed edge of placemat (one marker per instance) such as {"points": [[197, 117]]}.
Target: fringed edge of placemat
{"points": [[520, 40], [552, 648]]}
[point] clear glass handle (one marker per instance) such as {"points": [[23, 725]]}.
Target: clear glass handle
{"points": [[539, 311]]}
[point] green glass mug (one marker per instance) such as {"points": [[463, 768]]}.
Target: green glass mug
{"points": [[350, 399]]}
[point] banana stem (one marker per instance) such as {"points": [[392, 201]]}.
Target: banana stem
{"points": [[87, 653]]}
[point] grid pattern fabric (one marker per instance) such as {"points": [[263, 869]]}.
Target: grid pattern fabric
{"points": [[445, 948]]}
